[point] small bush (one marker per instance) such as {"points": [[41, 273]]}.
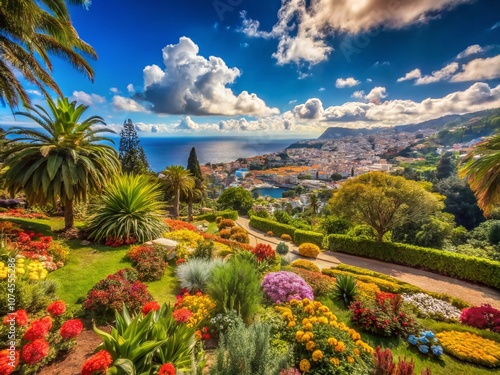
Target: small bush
{"points": [[367, 290], [266, 225], [483, 317], [194, 274], [270, 233], [284, 286], [30, 296], [226, 223], [282, 249], [286, 237], [241, 237], [204, 250], [320, 284], [304, 236], [309, 250], [225, 233], [185, 237], [148, 261], [264, 252], [305, 264], [345, 289]]}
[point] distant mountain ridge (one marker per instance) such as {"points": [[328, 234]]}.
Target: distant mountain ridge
{"points": [[441, 123]]}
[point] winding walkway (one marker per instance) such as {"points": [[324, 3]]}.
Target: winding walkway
{"points": [[473, 293]]}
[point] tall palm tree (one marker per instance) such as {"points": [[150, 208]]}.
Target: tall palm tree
{"points": [[313, 203], [66, 162], [178, 181], [30, 30], [481, 168]]}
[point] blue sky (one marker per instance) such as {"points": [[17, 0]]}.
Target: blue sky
{"points": [[241, 67]]}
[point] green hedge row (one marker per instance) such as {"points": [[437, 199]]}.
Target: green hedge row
{"points": [[266, 225], [301, 236], [447, 263], [228, 214]]}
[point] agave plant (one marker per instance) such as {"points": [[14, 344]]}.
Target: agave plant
{"points": [[129, 209], [195, 273], [345, 289]]}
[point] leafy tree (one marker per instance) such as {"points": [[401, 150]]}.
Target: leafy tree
{"points": [[196, 195], [460, 201], [335, 225], [30, 30], [282, 217], [481, 168], [336, 177], [65, 163], [445, 167], [178, 181], [314, 203], [383, 201], [131, 154], [236, 198]]}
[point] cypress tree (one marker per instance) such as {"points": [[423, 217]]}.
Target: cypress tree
{"points": [[131, 154], [193, 166]]}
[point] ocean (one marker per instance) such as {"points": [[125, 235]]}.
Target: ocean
{"points": [[163, 152]]}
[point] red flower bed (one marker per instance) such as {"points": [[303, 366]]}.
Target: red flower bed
{"points": [[35, 351], [167, 369], [179, 224], [97, 364], [21, 317], [71, 328], [56, 308], [182, 315], [115, 242], [264, 252], [148, 261], [38, 329], [22, 213], [150, 306], [5, 367], [483, 317]]}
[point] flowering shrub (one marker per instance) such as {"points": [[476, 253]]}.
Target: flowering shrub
{"points": [[97, 364], [483, 317], [174, 225], [470, 347], [35, 351], [367, 290], [148, 261], [430, 307], [264, 252], [386, 316], [426, 343], [309, 250], [226, 223], [167, 369], [286, 237], [150, 306], [25, 214], [20, 316], [241, 237], [200, 305], [115, 290], [225, 233], [182, 315], [284, 286], [119, 241], [185, 237], [320, 284], [305, 264], [322, 344], [38, 329], [225, 321], [71, 328], [56, 308], [6, 367]]}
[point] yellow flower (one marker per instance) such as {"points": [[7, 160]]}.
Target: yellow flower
{"points": [[335, 361], [310, 345], [334, 324], [313, 320], [317, 355], [305, 321], [340, 347], [308, 326], [291, 324], [350, 359], [298, 335], [304, 365], [355, 336], [307, 336], [323, 320], [306, 301], [332, 341], [356, 351]]}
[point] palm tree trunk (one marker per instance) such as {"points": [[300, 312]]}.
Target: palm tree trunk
{"points": [[177, 203], [190, 209], [69, 218], [380, 236]]}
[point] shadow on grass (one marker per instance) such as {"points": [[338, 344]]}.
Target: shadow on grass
{"points": [[35, 225]]}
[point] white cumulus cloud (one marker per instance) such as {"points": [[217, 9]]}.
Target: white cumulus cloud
{"points": [[311, 109], [87, 99], [471, 50], [126, 104], [443, 74], [346, 82], [479, 69], [190, 84]]}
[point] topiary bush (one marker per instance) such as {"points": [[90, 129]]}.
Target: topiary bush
{"points": [[226, 223], [225, 233], [303, 236], [305, 264], [282, 249], [286, 237], [309, 250], [266, 225]]}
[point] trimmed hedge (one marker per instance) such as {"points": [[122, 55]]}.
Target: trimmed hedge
{"points": [[300, 236], [266, 225], [228, 214], [447, 263]]}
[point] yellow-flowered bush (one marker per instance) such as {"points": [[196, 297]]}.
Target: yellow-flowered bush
{"points": [[309, 250], [322, 345], [185, 237], [33, 270], [367, 290], [201, 305], [305, 264], [470, 347]]}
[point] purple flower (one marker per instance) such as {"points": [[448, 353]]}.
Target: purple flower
{"points": [[284, 286]]}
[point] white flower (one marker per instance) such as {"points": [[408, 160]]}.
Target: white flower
{"points": [[431, 307]]}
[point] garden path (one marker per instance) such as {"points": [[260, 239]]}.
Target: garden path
{"points": [[473, 293]]}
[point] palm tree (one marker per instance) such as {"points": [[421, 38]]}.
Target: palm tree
{"points": [[178, 181], [313, 203], [29, 31], [481, 168], [65, 162]]}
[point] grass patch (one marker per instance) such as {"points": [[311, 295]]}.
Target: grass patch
{"points": [[212, 228], [165, 290]]}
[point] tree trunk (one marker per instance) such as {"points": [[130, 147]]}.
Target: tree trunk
{"points": [[380, 236], [190, 209], [177, 203], [69, 218]]}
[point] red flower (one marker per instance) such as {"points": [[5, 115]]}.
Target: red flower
{"points": [[205, 335], [180, 261], [56, 308], [71, 328], [167, 369], [21, 317], [6, 360], [35, 351], [150, 306], [182, 315], [97, 364], [38, 329]]}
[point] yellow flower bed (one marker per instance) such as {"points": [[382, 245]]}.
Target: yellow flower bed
{"points": [[35, 270], [470, 347], [367, 290], [201, 305], [309, 250], [305, 264], [322, 344], [184, 237]]}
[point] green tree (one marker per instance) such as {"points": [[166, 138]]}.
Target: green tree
{"points": [[336, 177], [65, 163], [445, 167], [236, 198], [131, 154], [481, 168], [313, 203], [30, 31], [178, 181], [196, 195], [383, 201]]}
